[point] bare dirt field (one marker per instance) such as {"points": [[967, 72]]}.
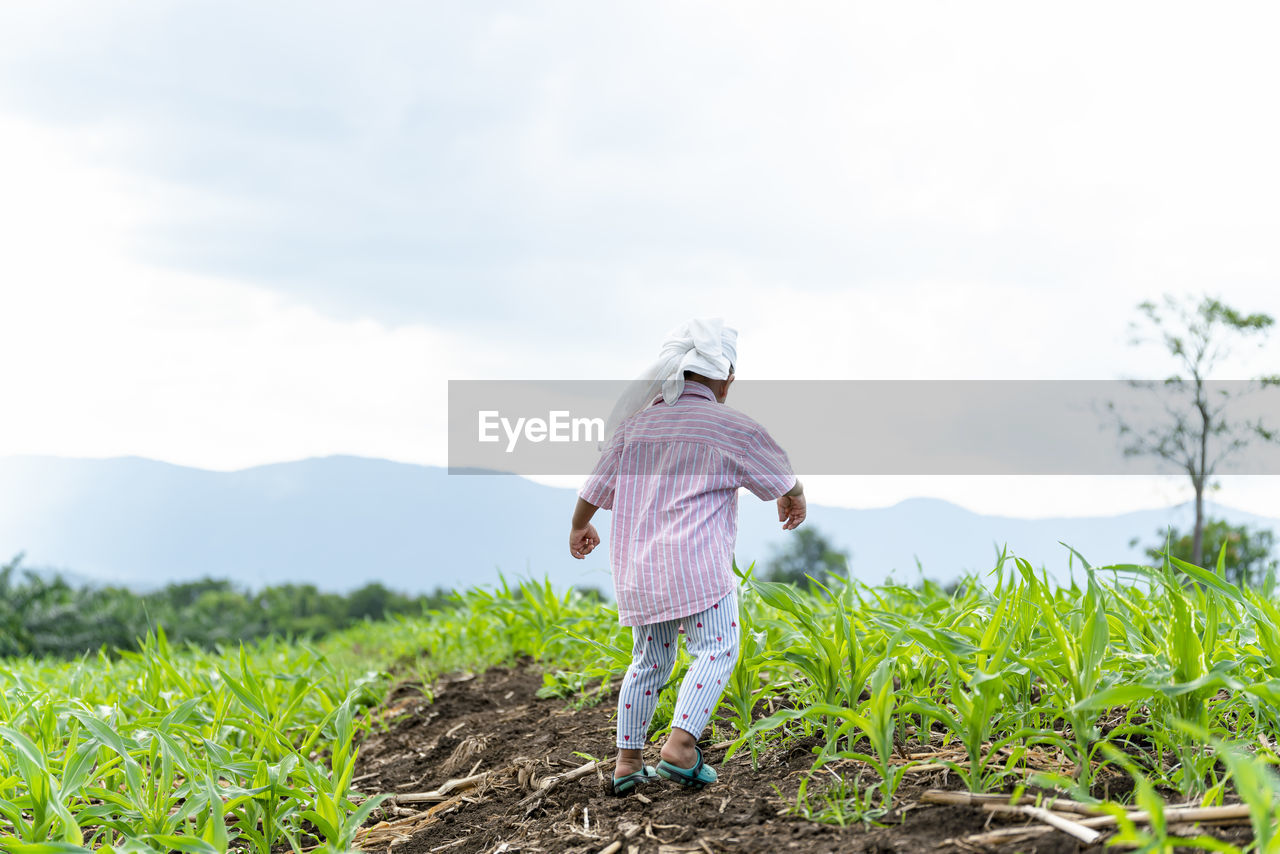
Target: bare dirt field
{"points": [[516, 756]]}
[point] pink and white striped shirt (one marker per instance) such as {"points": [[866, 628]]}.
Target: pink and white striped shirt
{"points": [[671, 475]]}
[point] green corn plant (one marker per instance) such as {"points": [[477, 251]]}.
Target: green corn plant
{"points": [[544, 610], [1155, 836], [844, 723], [1069, 660], [810, 648], [269, 815], [333, 812], [1186, 651], [973, 648], [744, 684], [856, 664], [878, 725], [842, 804], [335, 815], [211, 822], [113, 738], [50, 817], [1258, 785]]}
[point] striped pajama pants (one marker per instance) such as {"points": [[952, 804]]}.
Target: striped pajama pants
{"points": [[711, 638]]}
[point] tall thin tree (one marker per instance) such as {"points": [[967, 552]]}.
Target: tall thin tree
{"points": [[1200, 428]]}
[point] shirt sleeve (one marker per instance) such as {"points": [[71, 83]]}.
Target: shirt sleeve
{"points": [[766, 471], [599, 488]]}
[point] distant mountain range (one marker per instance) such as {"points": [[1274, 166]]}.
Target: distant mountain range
{"points": [[340, 522]]}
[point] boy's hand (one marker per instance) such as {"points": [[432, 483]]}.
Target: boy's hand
{"points": [[792, 510], [582, 541]]}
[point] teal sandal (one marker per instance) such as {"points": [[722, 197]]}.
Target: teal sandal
{"points": [[627, 784], [694, 778]]}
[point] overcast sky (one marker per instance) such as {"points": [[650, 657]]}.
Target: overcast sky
{"points": [[235, 233]]}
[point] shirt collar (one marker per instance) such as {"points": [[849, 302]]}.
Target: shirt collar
{"points": [[691, 388], [698, 389]]}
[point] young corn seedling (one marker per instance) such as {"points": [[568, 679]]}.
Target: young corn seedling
{"points": [[1184, 654], [978, 696], [50, 819], [744, 683], [1154, 837], [269, 813], [842, 804], [1258, 785], [823, 659], [1070, 662], [878, 725]]}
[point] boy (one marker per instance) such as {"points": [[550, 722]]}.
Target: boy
{"points": [[670, 472]]}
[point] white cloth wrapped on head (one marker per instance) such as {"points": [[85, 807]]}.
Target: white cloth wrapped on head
{"points": [[704, 346]]}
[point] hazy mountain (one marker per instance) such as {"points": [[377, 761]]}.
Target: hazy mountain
{"points": [[948, 540], [339, 522]]}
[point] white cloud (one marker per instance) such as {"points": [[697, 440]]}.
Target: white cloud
{"points": [[871, 190], [104, 356]]}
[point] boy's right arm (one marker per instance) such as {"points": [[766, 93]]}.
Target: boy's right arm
{"points": [[792, 507], [596, 493], [766, 472]]}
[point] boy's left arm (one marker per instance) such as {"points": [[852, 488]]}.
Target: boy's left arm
{"points": [[582, 534]]}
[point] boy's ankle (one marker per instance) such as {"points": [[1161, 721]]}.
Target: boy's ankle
{"points": [[681, 748], [628, 762]]}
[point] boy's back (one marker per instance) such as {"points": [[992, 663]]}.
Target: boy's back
{"points": [[671, 475]]}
